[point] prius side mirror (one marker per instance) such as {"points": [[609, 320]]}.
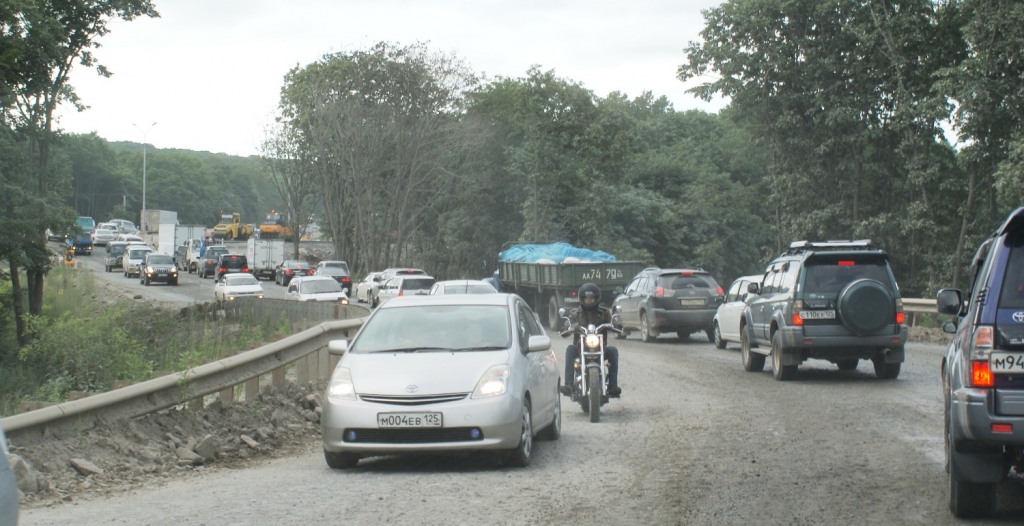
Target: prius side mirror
{"points": [[337, 347]]}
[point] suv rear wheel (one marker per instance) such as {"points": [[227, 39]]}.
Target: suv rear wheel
{"points": [[967, 499], [782, 373], [645, 329], [885, 371]]}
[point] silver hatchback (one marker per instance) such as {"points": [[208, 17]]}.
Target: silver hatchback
{"points": [[443, 373]]}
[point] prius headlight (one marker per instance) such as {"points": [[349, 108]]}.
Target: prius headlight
{"points": [[592, 341], [341, 387], [494, 382]]}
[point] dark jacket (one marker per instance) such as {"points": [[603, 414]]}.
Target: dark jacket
{"points": [[596, 317]]}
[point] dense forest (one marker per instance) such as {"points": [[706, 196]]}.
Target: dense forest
{"points": [[835, 129]]}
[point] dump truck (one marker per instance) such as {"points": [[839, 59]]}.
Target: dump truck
{"points": [[275, 226], [231, 227], [549, 276]]}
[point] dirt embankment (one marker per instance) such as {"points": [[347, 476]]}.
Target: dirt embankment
{"points": [[113, 457]]}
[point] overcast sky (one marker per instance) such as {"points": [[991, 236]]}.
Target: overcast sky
{"points": [[209, 72]]}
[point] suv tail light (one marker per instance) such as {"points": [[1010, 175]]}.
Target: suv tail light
{"points": [[981, 345], [900, 316], [222, 270], [720, 291], [346, 279], [981, 375], [659, 292], [245, 269], [797, 320]]}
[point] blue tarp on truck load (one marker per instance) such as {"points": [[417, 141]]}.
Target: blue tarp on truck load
{"points": [[555, 252]]}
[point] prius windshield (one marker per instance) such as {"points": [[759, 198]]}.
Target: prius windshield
{"points": [[424, 328]]}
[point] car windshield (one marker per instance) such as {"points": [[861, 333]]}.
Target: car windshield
{"points": [[86, 222], [435, 327], [680, 281], [319, 286], [160, 260], [1012, 294], [238, 280], [212, 253], [417, 284], [115, 250], [830, 278]]}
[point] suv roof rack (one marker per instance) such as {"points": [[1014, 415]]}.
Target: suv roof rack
{"points": [[798, 247]]}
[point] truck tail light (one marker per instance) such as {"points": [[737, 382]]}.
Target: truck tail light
{"points": [[981, 375]]}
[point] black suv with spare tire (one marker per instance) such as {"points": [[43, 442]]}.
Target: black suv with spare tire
{"points": [[835, 301]]}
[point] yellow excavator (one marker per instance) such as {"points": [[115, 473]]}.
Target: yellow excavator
{"points": [[275, 226], [231, 227]]}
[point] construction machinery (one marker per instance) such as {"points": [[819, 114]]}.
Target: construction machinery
{"points": [[231, 227], [275, 226]]}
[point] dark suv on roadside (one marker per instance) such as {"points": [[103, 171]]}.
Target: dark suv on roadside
{"points": [[660, 300], [835, 301], [983, 372]]}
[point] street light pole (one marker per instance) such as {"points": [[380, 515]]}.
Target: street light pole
{"points": [[142, 214]]}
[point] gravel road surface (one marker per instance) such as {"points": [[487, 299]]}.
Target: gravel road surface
{"points": [[694, 440]]}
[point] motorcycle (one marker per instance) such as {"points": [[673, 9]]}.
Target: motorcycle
{"points": [[590, 370]]}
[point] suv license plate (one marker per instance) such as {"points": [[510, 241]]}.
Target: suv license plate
{"points": [[408, 419], [692, 302], [1006, 362], [818, 314]]}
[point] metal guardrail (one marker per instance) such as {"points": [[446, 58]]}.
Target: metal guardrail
{"points": [[178, 388], [917, 305]]}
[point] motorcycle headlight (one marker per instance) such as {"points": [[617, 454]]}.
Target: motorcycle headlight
{"points": [[494, 382], [341, 387], [592, 341]]}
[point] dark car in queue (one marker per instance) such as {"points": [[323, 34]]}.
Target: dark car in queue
{"points": [[210, 258], [158, 268], [338, 271], [231, 264], [291, 268], [983, 373], [115, 251], [659, 300]]}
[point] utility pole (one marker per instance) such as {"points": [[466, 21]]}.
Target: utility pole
{"points": [[142, 213]]}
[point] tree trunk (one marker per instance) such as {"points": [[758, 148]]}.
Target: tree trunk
{"points": [[19, 306], [963, 230], [34, 277]]}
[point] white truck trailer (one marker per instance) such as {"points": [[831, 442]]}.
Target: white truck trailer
{"points": [[264, 256]]}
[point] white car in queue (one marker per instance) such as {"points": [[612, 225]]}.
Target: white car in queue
{"points": [[317, 288], [729, 314], [461, 372], [238, 285]]}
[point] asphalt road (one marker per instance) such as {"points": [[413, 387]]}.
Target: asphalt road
{"points": [[694, 440]]}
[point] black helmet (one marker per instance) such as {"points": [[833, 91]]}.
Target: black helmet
{"points": [[590, 296]]}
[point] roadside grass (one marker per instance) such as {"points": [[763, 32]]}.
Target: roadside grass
{"points": [[85, 343]]}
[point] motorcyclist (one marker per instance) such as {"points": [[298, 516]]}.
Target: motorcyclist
{"points": [[590, 312]]}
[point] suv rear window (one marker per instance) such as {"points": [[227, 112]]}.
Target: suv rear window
{"points": [[1011, 296], [693, 281], [233, 261], [417, 284], [831, 277]]}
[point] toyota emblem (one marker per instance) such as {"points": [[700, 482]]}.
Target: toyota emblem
{"points": [[411, 388], [1018, 317]]}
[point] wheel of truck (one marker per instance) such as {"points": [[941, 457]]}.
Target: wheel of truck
{"points": [[782, 373], [753, 362], [553, 314], [645, 329]]}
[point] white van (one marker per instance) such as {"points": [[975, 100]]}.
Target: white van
{"points": [[132, 259]]}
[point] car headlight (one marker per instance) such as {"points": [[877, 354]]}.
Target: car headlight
{"points": [[341, 387], [149, 270], [494, 382], [259, 296], [344, 301], [230, 298], [592, 341]]}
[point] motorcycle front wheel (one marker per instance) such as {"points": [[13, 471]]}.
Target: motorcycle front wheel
{"points": [[594, 385]]}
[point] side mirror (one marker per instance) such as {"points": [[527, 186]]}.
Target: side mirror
{"points": [[539, 343], [752, 288], [949, 327], [561, 312], [617, 290], [949, 301], [337, 347]]}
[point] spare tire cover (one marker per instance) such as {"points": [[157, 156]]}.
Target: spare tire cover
{"points": [[865, 307]]}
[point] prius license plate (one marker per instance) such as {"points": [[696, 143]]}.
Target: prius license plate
{"points": [[1006, 362], [818, 314], [690, 303], [408, 419]]}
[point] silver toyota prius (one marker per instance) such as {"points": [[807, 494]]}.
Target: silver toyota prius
{"points": [[441, 374]]}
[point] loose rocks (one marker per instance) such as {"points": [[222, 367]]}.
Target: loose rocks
{"points": [[24, 475], [85, 467]]}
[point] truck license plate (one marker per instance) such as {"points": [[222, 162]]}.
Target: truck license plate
{"points": [[408, 419], [1006, 362], [818, 314]]}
